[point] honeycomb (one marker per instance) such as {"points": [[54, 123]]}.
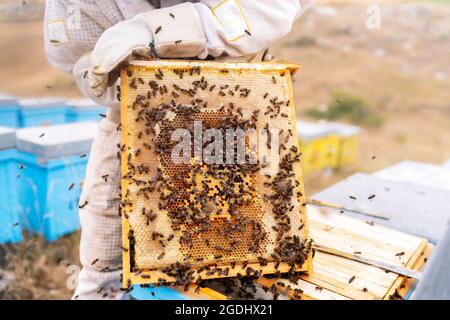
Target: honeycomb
{"points": [[207, 221]]}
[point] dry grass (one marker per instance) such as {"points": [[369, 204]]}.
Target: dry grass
{"points": [[402, 71]]}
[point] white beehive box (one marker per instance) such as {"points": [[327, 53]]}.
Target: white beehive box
{"points": [[417, 173], [57, 141], [7, 138], [412, 208]]}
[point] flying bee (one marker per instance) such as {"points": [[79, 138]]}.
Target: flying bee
{"points": [[84, 204]]}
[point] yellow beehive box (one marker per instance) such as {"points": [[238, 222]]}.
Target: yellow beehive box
{"points": [[319, 144], [192, 206], [348, 144]]}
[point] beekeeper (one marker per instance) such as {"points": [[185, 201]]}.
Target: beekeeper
{"points": [[91, 38]]}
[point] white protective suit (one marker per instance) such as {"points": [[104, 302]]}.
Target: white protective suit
{"points": [[73, 28]]}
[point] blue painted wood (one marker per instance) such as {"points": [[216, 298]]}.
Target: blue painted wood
{"points": [[157, 293]]}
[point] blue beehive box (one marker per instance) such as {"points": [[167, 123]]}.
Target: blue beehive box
{"points": [[42, 112], [157, 293], [9, 111], [54, 166], [83, 110], [10, 228]]}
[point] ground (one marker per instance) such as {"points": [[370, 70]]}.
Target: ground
{"points": [[401, 71]]}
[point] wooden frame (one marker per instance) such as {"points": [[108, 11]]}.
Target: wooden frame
{"points": [[230, 72]]}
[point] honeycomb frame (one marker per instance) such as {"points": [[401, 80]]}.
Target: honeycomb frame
{"points": [[150, 70]]}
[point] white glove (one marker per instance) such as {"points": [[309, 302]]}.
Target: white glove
{"points": [[115, 46], [108, 96]]}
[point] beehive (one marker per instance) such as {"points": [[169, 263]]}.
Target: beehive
{"points": [[182, 222]]}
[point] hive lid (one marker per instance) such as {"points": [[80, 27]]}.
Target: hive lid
{"points": [[312, 130], [7, 100], [57, 141], [345, 130], [417, 173], [413, 208], [83, 104], [39, 103], [7, 138]]}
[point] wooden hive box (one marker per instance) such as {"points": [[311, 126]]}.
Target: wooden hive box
{"points": [[210, 219]]}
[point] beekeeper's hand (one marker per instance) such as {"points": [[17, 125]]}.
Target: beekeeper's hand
{"points": [[115, 46], [83, 76]]}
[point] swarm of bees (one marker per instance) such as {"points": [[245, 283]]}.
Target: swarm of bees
{"points": [[215, 214]]}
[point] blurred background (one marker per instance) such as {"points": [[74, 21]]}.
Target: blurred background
{"points": [[390, 82]]}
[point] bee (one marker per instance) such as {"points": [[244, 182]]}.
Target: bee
{"points": [[351, 279], [159, 74], [172, 15], [72, 185], [94, 262], [84, 204], [42, 134], [158, 30], [133, 84]]}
